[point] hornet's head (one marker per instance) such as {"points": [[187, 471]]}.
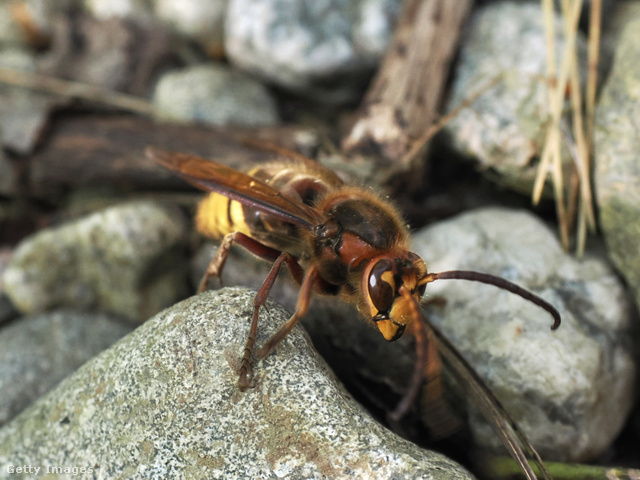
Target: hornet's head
{"points": [[393, 285]]}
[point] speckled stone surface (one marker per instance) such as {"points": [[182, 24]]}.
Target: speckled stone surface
{"points": [[617, 169], [214, 94], [38, 351], [163, 403]]}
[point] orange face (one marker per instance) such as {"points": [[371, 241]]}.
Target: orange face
{"points": [[393, 284]]}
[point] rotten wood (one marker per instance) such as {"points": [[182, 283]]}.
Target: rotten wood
{"points": [[109, 151], [404, 98]]}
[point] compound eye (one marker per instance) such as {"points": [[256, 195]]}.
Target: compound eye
{"points": [[382, 286]]}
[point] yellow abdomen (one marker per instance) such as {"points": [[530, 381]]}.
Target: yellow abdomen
{"points": [[217, 216]]}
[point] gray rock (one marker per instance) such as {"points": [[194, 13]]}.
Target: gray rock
{"points": [[23, 114], [163, 402], [199, 20], [324, 49], [570, 390], [127, 260], [613, 24], [131, 9], [504, 129], [17, 58], [37, 352], [216, 95], [617, 172], [23, 117]]}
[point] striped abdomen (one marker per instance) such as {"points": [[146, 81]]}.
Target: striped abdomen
{"points": [[218, 215]]}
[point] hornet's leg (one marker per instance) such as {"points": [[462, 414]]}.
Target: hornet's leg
{"points": [[309, 282], [246, 372], [214, 270], [436, 412], [428, 371]]}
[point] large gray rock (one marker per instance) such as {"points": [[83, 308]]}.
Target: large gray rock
{"points": [[23, 113], [137, 10], [504, 130], [324, 49], [164, 402], [128, 260], [613, 25], [199, 20], [571, 389], [216, 95], [617, 170], [37, 352]]}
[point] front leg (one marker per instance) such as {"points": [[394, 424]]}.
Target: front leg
{"points": [[267, 253], [246, 371]]}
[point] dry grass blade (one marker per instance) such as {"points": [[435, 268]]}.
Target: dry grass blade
{"points": [[595, 17], [579, 204], [587, 216], [553, 148], [545, 159]]}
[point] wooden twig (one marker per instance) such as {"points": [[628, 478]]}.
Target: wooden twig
{"points": [[419, 146], [90, 150], [404, 98]]}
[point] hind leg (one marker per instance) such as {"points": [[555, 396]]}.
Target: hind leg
{"points": [[216, 265]]}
